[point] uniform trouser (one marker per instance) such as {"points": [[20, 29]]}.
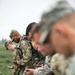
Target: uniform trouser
{"points": [[19, 70]]}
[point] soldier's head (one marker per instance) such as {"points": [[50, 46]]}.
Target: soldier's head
{"points": [[9, 45], [47, 47], [15, 36], [58, 24], [29, 29], [35, 33]]}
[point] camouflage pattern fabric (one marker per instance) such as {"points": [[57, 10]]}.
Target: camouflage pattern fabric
{"points": [[58, 64], [44, 70], [71, 66], [16, 57]]}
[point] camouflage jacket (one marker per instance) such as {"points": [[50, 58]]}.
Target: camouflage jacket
{"points": [[30, 55], [44, 70], [17, 55], [25, 47]]}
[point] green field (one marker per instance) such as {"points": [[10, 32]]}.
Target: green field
{"points": [[5, 60]]}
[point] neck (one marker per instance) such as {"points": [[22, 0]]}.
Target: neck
{"points": [[53, 54], [68, 55], [34, 44]]}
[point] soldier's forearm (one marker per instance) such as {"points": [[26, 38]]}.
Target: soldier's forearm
{"points": [[23, 62], [25, 59]]}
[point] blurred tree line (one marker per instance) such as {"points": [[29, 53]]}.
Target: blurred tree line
{"points": [[2, 41]]}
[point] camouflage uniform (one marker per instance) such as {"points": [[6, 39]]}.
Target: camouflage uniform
{"points": [[25, 46], [59, 10], [58, 64], [16, 57], [44, 70], [29, 57], [29, 54], [71, 66]]}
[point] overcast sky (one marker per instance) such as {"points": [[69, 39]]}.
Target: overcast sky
{"points": [[17, 14]]}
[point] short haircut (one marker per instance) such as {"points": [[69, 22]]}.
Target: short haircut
{"points": [[29, 27], [35, 30], [6, 44]]}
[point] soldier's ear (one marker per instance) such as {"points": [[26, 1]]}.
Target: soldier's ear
{"points": [[60, 29], [29, 34]]}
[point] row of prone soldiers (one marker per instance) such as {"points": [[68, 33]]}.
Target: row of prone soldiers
{"points": [[54, 37]]}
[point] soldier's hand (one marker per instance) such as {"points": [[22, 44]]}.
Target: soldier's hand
{"points": [[29, 71], [12, 46], [15, 62]]}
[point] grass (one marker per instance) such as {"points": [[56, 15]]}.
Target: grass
{"points": [[5, 60]]}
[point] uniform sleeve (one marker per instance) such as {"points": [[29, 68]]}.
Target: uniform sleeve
{"points": [[43, 70], [26, 49], [55, 64], [15, 55]]}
